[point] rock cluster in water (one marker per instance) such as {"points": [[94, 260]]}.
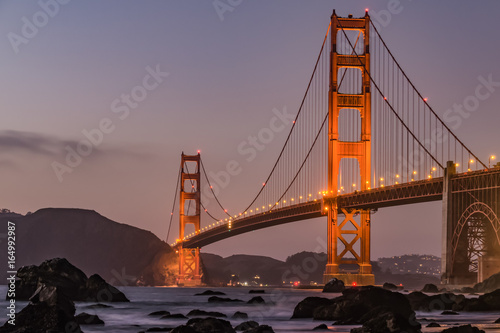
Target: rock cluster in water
{"points": [[51, 289]]}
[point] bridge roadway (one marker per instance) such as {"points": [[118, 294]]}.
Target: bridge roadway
{"points": [[389, 196]]}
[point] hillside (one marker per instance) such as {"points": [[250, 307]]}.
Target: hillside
{"points": [[121, 254]]}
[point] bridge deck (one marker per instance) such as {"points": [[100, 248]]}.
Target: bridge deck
{"points": [[395, 195]]}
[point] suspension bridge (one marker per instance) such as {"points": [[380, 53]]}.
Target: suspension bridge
{"points": [[364, 138]]}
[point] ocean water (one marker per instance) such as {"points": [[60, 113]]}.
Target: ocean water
{"points": [[133, 316]]}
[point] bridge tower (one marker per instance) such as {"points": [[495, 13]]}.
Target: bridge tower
{"points": [[338, 247], [189, 258]]}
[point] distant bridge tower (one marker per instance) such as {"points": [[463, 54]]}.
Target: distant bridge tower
{"points": [[341, 249], [189, 258]]}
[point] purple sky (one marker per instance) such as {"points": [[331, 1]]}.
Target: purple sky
{"points": [[225, 77]]}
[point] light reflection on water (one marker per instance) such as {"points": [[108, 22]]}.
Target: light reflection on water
{"points": [[133, 316]]}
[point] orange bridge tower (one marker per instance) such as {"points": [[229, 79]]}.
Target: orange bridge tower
{"points": [[189, 258], [349, 236]]}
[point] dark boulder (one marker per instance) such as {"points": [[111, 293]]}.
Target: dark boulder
{"points": [[240, 315], [210, 325], [334, 286], [256, 300], [247, 325], [99, 290], [98, 306], [321, 327], [373, 307], [174, 316], [306, 307], [216, 299], [463, 329], [257, 291], [158, 329], [49, 310], [467, 290], [88, 319], [184, 329], [433, 324], [68, 279], [490, 284], [430, 288], [261, 329], [497, 321], [57, 272], [159, 313], [389, 286], [449, 312], [202, 313], [211, 293], [446, 301], [492, 300]]}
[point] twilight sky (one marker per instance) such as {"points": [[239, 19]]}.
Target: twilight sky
{"points": [[204, 79]]}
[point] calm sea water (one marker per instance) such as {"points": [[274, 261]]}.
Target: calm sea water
{"points": [[133, 316]]}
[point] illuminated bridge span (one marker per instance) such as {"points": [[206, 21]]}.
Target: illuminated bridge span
{"points": [[364, 138]]}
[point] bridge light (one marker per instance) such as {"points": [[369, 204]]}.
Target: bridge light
{"points": [[433, 168], [284, 201], [326, 208], [353, 185], [457, 164], [382, 185], [263, 184], [310, 194], [199, 151], [292, 199], [251, 211], [257, 209], [414, 172], [381, 179], [471, 161], [300, 197], [397, 176], [225, 210], [430, 176], [397, 183], [270, 205], [385, 98], [366, 10], [425, 99]]}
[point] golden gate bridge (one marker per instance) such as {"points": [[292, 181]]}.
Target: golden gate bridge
{"points": [[363, 138]]}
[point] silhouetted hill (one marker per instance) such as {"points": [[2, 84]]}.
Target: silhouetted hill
{"points": [[306, 267], [120, 253]]}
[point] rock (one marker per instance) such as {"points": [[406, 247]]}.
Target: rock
{"points": [[88, 319], [201, 313], [306, 307], [490, 284], [258, 291], [449, 312], [57, 272], [463, 329], [247, 325], [256, 300], [497, 321], [99, 290], [210, 293], [68, 279], [321, 327], [433, 324], [430, 288], [377, 309], [446, 301], [216, 299], [98, 306], [174, 316], [261, 329], [184, 329], [334, 286], [49, 309], [389, 286], [492, 300], [159, 313], [467, 290], [210, 325], [240, 315]]}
